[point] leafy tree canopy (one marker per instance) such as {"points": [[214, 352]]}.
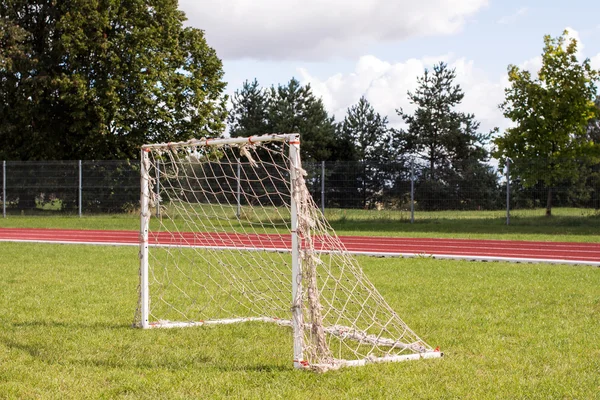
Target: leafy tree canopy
{"points": [[550, 141], [594, 125], [95, 79]]}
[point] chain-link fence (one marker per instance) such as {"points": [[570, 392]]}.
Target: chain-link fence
{"points": [[70, 187], [89, 187]]}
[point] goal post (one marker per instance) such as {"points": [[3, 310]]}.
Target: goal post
{"points": [[236, 237], [144, 295], [296, 276]]}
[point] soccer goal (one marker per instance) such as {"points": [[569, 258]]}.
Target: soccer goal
{"points": [[230, 234]]}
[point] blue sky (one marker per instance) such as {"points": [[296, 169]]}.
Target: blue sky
{"points": [[377, 48]]}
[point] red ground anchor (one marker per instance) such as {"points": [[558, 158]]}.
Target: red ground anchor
{"points": [[304, 363]]}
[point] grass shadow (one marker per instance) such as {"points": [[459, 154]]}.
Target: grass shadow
{"points": [[32, 350], [71, 325], [266, 368]]}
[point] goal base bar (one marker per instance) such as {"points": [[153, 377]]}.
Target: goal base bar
{"points": [[340, 331], [404, 357], [227, 321], [373, 360]]}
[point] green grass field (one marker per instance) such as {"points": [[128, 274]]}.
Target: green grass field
{"points": [[507, 330]]}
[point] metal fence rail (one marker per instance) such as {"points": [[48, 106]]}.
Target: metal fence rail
{"points": [[92, 187]]}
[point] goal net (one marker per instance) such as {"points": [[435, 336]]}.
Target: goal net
{"points": [[230, 234]]}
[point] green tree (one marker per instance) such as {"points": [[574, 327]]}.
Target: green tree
{"points": [[95, 79], [552, 114], [248, 116], [444, 137], [448, 142], [368, 132], [592, 183], [594, 125], [293, 108], [370, 142]]}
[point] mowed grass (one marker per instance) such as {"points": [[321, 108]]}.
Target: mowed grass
{"points": [[507, 331], [566, 224]]}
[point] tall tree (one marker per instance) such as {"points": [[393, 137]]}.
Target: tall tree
{"points": [[368, 132], [594, 125], [448, 142], [552, 114], [83, 79], [248, 116], [446, 138], [370, 142], [293, 108]]}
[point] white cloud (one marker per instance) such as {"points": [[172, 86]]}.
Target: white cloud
{"points": [[386, 85], [511, 19], [317, 29], [533, 65], [595, 62]]}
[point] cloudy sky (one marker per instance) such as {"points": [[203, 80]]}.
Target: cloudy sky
{"points": [[377, 48]]}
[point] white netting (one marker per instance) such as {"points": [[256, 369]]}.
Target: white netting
{"points": [[220, 252]]}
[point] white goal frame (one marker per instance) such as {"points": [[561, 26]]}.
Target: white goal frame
{"points": [[296, 320]]}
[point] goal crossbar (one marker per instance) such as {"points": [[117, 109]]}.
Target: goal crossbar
{"points": [[276, 137]]}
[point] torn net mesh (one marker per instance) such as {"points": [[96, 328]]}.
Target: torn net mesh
{"points": [[220, 252]]}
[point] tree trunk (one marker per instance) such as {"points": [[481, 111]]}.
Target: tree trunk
{"points": [[431, 166], [364, 185], [549, 203]]}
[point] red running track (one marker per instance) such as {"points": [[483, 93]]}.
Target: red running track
{"points": [[484, 250]]}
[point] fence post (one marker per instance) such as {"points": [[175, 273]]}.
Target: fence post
{"points": [[4, 189], [80, 189], [157, 188], [507, 191], [323, 187], [412, 190], [239, 189]]}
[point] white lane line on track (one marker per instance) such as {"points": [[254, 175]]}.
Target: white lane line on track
{"points": [[354, 252]]}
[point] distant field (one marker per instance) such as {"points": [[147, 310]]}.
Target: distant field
{"points": [[567, 224], [507, 330]]}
